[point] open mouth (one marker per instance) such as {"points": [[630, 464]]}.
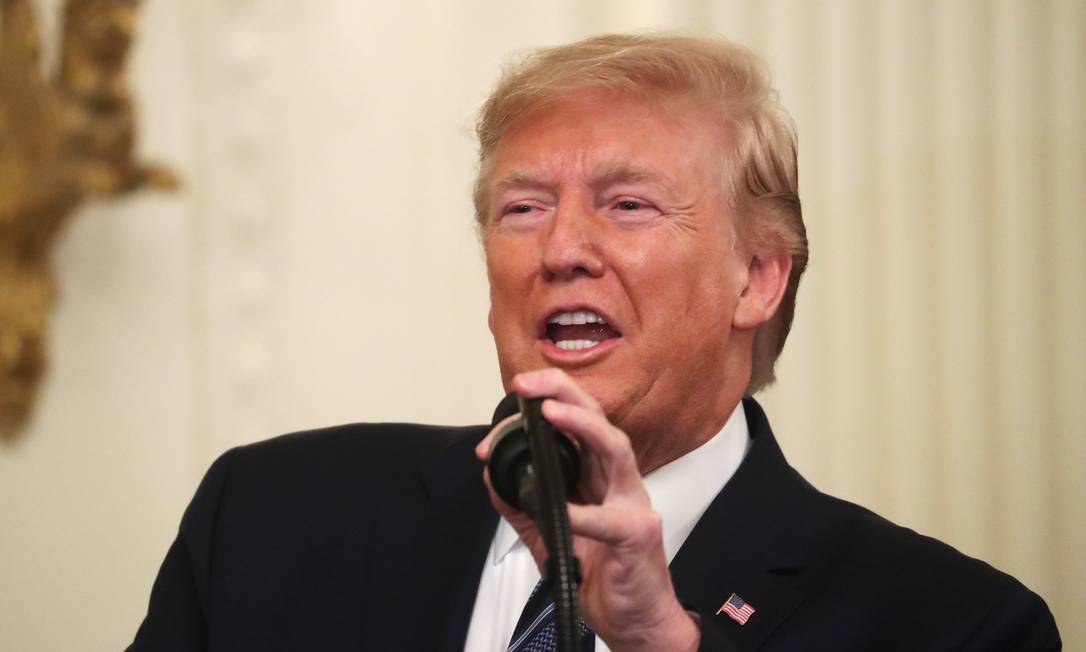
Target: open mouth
{"points": [[577, 330]]}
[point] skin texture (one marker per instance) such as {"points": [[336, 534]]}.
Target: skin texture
{"points": [[609, 203]]}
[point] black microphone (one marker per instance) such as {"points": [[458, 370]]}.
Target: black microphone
{"points": [[533, 467], [512, 472]]}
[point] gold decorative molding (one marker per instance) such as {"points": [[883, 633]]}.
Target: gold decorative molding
{"points": [[66, 137]]}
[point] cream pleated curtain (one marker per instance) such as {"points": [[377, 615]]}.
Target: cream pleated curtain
{"points": [[319, 266], [938, 369]]}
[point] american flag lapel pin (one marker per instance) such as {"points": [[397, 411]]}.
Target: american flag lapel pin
{"points": [[737, 609]]}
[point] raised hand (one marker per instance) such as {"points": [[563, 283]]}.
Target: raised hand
{"points": [[626, 595]]}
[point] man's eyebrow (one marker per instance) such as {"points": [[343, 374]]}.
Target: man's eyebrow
{"points": [[522, 180], [606, 175]]}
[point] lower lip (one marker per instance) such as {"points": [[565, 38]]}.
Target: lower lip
{"points": [[560, 356]]}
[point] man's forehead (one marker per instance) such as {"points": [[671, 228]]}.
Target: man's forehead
{"points": [[607, 138]]}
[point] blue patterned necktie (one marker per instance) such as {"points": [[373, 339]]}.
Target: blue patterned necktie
{"points": [[535, 629]]}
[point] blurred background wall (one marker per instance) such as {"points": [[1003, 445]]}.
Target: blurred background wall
{"points": [[319, 266]]}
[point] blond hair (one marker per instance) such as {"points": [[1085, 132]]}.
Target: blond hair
{"points": [[763, 184]]}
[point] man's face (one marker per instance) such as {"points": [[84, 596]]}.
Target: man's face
{"points": [[609, 208]]}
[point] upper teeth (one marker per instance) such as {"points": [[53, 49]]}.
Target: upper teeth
{"points": [[576, 317]]}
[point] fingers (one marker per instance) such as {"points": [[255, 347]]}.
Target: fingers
{"points": [[620, 509], [630, 525], [533, 384], [554, 383], [596, 434]]}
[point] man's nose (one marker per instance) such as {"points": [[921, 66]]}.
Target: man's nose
{"points": [[571, 243]]}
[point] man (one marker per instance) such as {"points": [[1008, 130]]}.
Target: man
{"points": [[637, 202]]}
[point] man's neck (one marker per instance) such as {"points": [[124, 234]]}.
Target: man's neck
{"points": [[686, 432]]}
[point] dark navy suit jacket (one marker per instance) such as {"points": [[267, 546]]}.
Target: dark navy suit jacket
{"points": [[373, 537]]}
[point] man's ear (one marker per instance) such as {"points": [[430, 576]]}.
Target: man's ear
{"points": [[767, 279]]}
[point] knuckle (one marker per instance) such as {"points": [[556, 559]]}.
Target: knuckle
{"points": [[604, 525], [650, 527], [618, 445], [654, 523]]}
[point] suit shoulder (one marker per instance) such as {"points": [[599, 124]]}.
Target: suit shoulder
{"points": [[917, 572], [875, 542], [899, 570], [316, 481], [357, 444], [339, 466]]}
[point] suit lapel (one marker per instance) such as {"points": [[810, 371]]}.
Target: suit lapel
{"points": [[433, 533], [748, 542], [431, 540]]}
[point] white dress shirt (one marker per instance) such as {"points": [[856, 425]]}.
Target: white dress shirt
{"points": [[680, 491]]}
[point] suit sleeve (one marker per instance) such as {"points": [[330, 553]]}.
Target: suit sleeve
{"points": [[1022, 622], [178, 613]]}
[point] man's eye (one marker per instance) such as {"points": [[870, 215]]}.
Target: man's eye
{"points": [[629, 205], [519, 209]]}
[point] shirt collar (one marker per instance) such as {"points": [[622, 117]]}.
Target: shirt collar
{"points": [[680, 490]]}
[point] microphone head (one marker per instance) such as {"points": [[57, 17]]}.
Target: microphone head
{"points": [[511, 453]]}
